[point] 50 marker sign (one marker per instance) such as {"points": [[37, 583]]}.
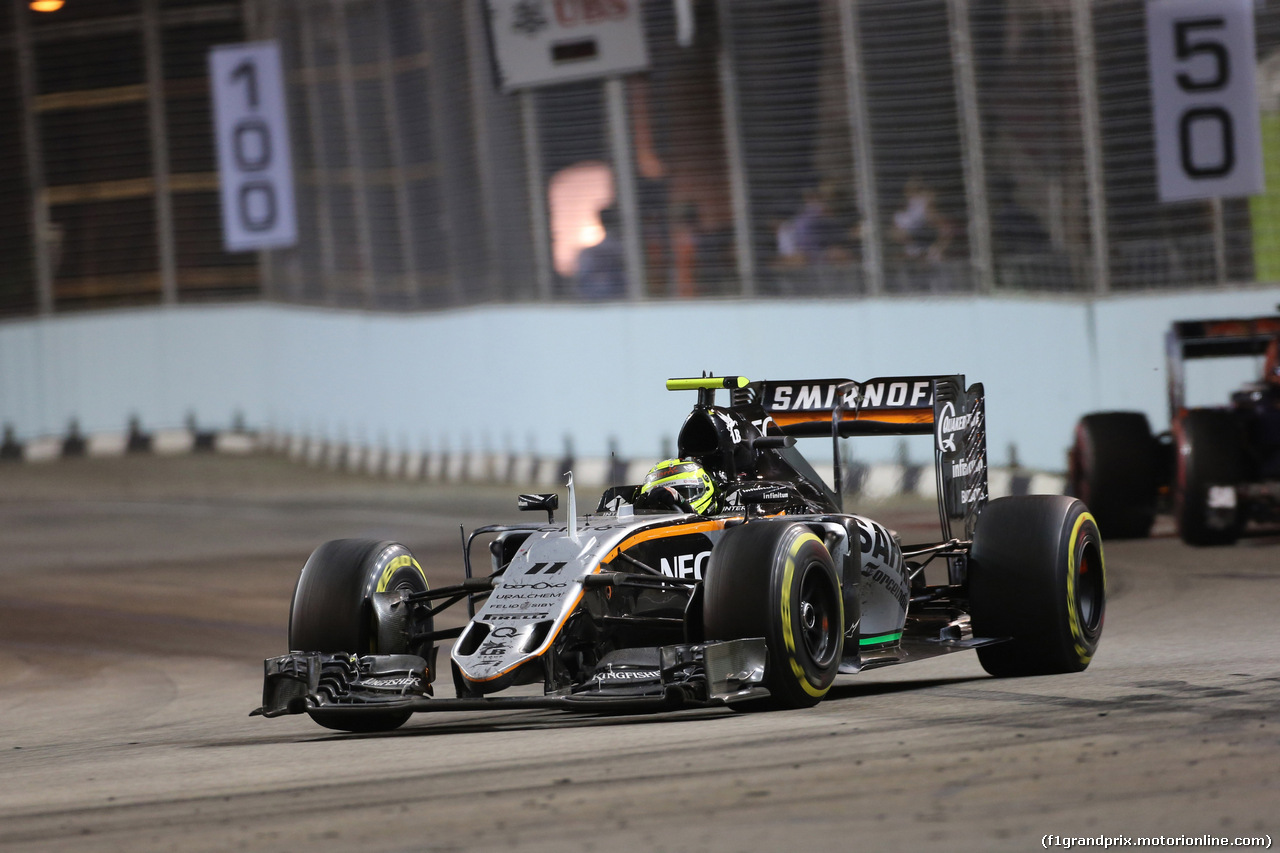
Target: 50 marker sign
{"points": [[1204, 105], [255, 170]]}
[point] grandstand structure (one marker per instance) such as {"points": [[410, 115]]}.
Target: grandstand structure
{"points": [[771, 149]]}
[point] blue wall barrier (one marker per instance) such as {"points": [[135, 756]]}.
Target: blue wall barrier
{"points": [[528, 379]]}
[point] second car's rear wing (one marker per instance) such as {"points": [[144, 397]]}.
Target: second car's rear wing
{"points": [[1211, 338], [1223, 338]]}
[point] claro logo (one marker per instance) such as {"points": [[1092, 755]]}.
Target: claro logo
{"points": [[685, 565]]}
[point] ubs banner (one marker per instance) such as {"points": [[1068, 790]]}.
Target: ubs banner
{"points": [[541, 42], [255, 169], [1205, 107]]}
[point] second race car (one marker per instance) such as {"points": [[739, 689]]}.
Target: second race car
{"points": [[1215, 470]]}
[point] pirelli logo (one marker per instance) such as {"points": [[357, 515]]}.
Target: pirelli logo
{"points": [[897, 393]]}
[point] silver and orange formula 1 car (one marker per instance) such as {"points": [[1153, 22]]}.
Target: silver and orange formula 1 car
{"points": [[758, 599]]}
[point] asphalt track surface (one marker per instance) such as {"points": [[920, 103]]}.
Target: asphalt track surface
{"points": [[138, 598]]}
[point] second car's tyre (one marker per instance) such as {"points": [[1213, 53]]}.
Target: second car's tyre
{"points": [[1208, 446], [1113, 469], [332, 611], [1036, 576], [776, 580]]}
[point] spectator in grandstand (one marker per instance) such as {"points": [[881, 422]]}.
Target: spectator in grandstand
{"points": [[918, 227], [820, 232], [923, 235], [602, 268]]}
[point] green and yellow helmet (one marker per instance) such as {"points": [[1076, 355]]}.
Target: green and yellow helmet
{"points": [[686, 477]]}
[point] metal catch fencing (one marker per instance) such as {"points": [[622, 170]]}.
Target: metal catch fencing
{"points": [[773, 148]]}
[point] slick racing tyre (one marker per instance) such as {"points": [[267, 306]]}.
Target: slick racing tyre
{"points": [[776, 580], [332, 612], [1036, 576], [1113, 466], [1208, 445]]}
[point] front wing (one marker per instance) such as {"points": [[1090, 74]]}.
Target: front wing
{"points": [[693, 674]]}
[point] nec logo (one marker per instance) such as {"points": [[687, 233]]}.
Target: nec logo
{"points": [[876, 394], [685, 565]]}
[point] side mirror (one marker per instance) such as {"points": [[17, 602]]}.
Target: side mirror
{"points": [[550, 502]]}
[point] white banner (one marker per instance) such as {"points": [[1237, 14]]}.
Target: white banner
{"points": [[1204, 103], [539, 42], [255, 169]]}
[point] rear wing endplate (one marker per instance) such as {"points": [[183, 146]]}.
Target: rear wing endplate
{"points": [[960, 453]]}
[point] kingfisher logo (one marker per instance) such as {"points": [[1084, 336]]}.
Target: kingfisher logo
{"points": [[398, 683], [630, 675]]}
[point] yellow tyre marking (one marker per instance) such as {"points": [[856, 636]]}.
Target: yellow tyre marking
{"points": [[399, 563], [788, 638], [1073, 616]]}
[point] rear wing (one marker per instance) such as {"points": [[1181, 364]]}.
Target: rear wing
{"points": [[900, 405], [1210, 338], [1194, 339], [897, 405]]}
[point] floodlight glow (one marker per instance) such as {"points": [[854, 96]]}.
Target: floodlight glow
{"points": [[575, 196]]}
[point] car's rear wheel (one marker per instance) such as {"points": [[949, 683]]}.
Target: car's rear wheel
{"points": [[1210, 463], [777, 580], [1113, 469], [1037, 577], [332, 611]]}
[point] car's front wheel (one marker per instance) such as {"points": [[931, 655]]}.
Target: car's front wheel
{"points": [[776, 580], [333, 611]]}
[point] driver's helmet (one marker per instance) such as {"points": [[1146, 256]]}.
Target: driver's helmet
{"points": [[686, 477], [1271, 362]]}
